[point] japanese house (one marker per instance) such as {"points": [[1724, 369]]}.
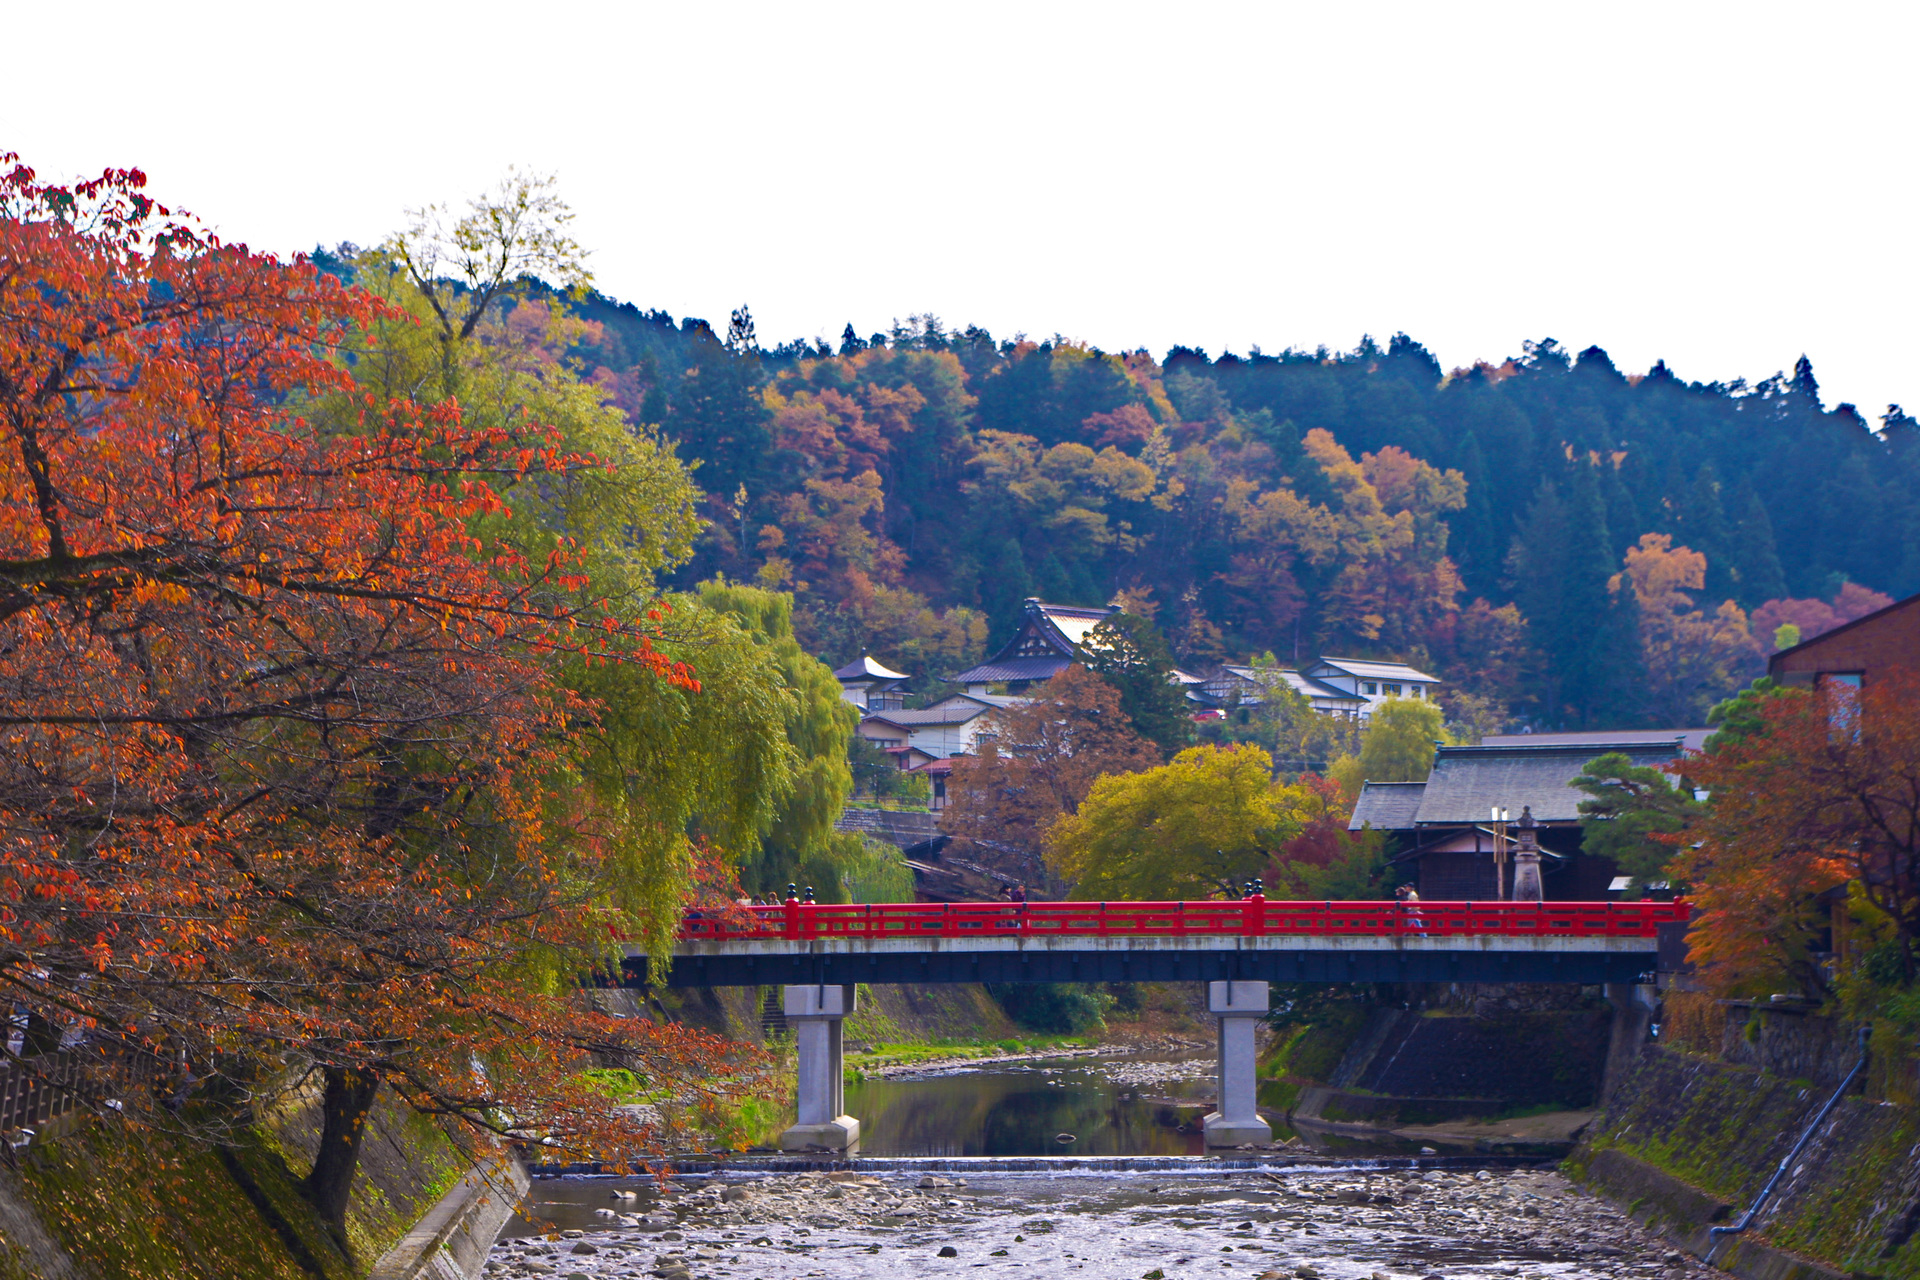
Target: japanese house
{"points": [[1445, 828]]}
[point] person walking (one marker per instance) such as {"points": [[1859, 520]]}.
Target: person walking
{"points": [[1410, 904]]}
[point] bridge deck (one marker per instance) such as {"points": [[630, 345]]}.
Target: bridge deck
{"points": [[1583, 942]]}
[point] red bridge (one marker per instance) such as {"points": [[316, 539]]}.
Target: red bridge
{"points": [[1254, 938]]}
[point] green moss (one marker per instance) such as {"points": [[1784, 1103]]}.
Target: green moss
{"points": [[1311, 1053], [1722, 1129], [143, 1206], [1279, 1095]]}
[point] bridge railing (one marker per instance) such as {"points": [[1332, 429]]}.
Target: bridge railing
{"points": [[1255, 916]]}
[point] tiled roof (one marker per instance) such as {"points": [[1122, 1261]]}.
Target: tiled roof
{"points": [[1013, 669], [946, 713], [1377, 670], [1467, 781], [1306, 686], [1689, 739], [865, 668], [1072, 622], [1387, 806]]}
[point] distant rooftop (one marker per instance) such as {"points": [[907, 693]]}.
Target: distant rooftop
{"points": [[1467, 782], [953, 712], [1689, 739], [1368, 670], [865, 668]]}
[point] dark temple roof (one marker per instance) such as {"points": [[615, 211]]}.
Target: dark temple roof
{"points": [[865, 668], [1387, 806], [1690, 739], [1467, 782], [1014, 669], [1044, 646]]}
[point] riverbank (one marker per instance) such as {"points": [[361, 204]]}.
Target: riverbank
{"points": [[1292, 1224], [889, 1061]]}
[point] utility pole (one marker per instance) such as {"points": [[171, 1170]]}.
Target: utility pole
{"points": [[1499, 815]]}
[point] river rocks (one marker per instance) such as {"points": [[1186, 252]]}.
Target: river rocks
{"points": [[1306, 1224]]}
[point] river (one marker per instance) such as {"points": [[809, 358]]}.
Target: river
{"points": [[972, 1161], [1348, 1222]]}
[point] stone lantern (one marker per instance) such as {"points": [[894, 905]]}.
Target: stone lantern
{"points": [[1526, 860]]}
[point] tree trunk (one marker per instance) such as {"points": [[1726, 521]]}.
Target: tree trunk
{"points": [[347, 1100]]}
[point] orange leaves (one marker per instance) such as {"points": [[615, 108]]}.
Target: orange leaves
{"points": [[275, 717], [1825, 791]]}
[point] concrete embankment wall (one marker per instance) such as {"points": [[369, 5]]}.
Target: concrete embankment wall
{"points": [[1441, 1054], [106, 1202], [888, 1013], [1688, 1137]]}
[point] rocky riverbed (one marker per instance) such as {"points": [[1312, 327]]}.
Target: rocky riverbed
{"points": [[1300, 1224]]}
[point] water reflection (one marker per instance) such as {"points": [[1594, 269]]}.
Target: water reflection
{"points": [[1022, 1111]]}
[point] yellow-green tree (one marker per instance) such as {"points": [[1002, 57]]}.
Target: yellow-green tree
{"points": [[753, 759], [1199, 826], [1399, 741]]}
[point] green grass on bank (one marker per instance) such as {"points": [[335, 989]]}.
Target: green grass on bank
{"points": [[860, 1065]]}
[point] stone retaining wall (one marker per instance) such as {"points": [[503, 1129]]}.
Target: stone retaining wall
{"points": [[452, 1241], [901, 828], [1692, 1139]]}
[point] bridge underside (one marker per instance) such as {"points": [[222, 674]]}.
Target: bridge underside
{"points": [[1170, 959]]}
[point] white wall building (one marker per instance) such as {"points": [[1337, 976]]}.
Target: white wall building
{"points": [[1373, 681]]}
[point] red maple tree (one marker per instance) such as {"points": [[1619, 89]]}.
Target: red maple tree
{"points": [[279, 742], [1822, 788]]}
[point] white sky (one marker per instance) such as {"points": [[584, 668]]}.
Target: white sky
{"points": [[1722, 185]]}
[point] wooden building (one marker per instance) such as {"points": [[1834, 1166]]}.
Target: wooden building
{"points": [[1373, 682], [1231, 687], [1853, 653], [870, 686], [1444, 826], [1044, 646]]}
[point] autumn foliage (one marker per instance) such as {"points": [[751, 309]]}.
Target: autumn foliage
{"points": [[278, 742], [1823, 790]]}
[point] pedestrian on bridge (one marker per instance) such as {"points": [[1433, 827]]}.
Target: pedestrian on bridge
{"points": [[1410, 900]]}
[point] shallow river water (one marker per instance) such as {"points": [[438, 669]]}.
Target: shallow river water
{"points": [[963, 1173], [1318, 1223], [1091, 1107]]}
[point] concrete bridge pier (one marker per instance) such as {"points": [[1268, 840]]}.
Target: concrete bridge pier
{"points": [[817, 1014], [1238, 1006]]}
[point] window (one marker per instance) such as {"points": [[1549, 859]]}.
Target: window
{"points": [[1370, 687], [1413, 690], [1393, 691], [1841, 689]]}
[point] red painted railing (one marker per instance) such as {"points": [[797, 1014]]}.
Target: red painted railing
{"points": [[1255, 916]]}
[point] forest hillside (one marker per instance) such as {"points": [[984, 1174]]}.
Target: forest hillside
{"points": [[1565, 544]]}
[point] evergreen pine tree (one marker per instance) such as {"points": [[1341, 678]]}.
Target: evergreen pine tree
{"points": [[1537, 570], [1755, 558], [1805, 387], [1056, 585], [1703, 526], [1005, 587], [1624, 520], [850, 343], [1476, 534], [1599, 650]]}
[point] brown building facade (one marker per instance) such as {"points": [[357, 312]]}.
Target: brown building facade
{"points": [[1852, 654]]}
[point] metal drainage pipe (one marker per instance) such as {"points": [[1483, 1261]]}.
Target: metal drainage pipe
{"points": [[1719, 1234]]}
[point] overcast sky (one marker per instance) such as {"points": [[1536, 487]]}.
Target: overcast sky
{"points": [[1722, 185]]}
